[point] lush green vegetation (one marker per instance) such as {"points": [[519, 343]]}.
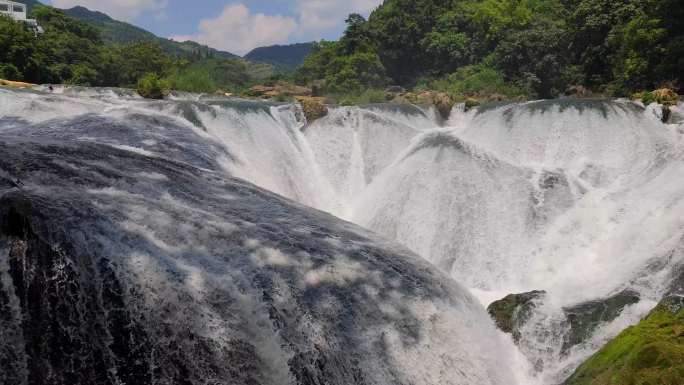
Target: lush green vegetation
{"points": [[67, 51], [151, 86], [465, 48], [74, 52], [652, 352], [535, 48], [118, 32]]}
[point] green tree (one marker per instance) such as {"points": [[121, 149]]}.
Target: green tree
{"points": [[17, 47], [140, 59], [399, 27], [597, 26], [357, 37], [355, 72], [535, 58], [449, 45], [151, 86], [317, 62]]}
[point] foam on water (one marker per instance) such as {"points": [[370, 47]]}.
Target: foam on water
{"points": [[352, 146], [581, 199]]}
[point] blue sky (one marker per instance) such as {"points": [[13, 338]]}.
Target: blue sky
{"points": [[236, 26]]}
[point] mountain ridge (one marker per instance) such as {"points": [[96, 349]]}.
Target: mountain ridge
{"points": [[287, 55], [119, 32]]}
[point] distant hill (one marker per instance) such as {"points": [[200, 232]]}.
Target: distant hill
{"points": [[287, 56], [119, 32], [267, 62]]}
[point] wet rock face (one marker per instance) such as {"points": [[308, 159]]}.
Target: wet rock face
{"points": [[674, 304], [511, 312], [677, 285], [586, 317], [313, 107], [117, 267], [650, 352], [56, 299], [676, 115]]}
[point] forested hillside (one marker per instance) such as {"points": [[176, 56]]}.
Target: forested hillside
{"points": [[535, 48], [288, 56], [76, 52], [507, 48], [118, 32]]}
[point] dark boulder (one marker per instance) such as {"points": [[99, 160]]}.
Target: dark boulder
{"points": [[676, 115], [511, 312], [584, 318], [677, 285]]}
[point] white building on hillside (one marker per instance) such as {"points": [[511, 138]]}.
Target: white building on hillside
{"points": [[17, 11]]}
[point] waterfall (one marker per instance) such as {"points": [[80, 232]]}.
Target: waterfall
{"points": [[581, 199]]}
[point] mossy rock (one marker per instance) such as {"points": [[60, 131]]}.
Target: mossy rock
{"points": [[511, 312], [676, 114], [313, 107], [638, 96], [471, 103], [586, 317], [649, 353], [442, 102], [664, 96]]}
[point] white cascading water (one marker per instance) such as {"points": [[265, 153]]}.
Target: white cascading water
{"points": [[581, 199]]}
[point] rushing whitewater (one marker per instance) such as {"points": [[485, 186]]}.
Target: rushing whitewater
{"points": [[581, 199], [130, 255]]}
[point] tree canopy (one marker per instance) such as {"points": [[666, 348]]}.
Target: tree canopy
{"points": [[537, 46], [73, 52]]}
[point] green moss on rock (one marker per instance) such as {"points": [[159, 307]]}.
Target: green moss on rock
{"points": [[313, 107], [511, 312], [649, 353], [664, 96], [471, 103]]}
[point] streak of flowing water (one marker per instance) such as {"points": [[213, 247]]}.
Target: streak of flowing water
{"points": [[581, 199]]}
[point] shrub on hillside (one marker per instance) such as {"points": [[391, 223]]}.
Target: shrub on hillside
{"points": [[476, 81], [9, 71], [192, 80], [151, 86]]}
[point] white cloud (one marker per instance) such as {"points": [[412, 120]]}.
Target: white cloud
{"points": [[117, 9], [318, 17], [238, 31]]}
